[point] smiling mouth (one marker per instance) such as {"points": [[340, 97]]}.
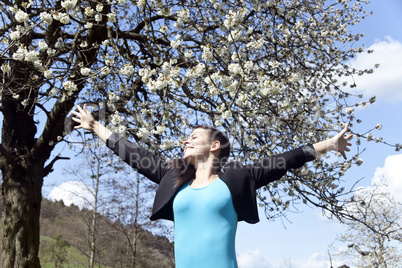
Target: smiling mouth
{"points": [[186, 148]]}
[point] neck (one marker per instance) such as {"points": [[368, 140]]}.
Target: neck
{"points": [[205, 171]]}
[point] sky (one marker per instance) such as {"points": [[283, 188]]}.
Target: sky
{"points": [[302, 241]]}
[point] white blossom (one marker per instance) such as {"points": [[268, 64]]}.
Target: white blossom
{"points": [[128, 70], [349, 110], [32, 56], [46, 17], [89, 12], [105, 43], [142, 132], [25, 102], [70, 86], [99, 7], [51, 52], [116, 119], [105, 71], [183, 15], [62, 17], [235, 35], [42, 45], [207, 53], [69, 4], [168, 144], [120, 129], [234, 18], [188, 54], [175, 43], [165, 11], [48, 74], [163, 29], [84, 44], [159, 130], [85, 71], [98, 17], [256, 44], [112, 96], [111, 17], [21, 16], [5, 67], [369, 137], [15, 35], [53, 92], [226, 114], [235, 68], [141, 3]]}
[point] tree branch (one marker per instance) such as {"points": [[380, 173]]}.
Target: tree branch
{"points": [[49, 167]]}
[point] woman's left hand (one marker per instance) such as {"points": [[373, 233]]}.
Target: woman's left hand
{"points": [[341, 142]]}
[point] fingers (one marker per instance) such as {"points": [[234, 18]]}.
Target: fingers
{"points": [[344, 130], [80, 109], [344, 155], [78, 120]]}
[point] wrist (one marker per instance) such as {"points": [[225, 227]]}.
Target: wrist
{"points": [[94, 126]]}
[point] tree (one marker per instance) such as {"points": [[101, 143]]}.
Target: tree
{"points": [[91, 170], [265, 71], [374, 238], [114, 200], [129, 209]]}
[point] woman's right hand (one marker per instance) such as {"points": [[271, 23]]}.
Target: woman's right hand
{"points": [[84, 118]]}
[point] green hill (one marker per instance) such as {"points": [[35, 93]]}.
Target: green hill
{"points": [[65, 241]]}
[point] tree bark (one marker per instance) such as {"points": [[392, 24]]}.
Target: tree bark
{"points": [[22, 200]]}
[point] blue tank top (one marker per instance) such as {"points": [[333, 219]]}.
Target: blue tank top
{"points": [[205, 224]]}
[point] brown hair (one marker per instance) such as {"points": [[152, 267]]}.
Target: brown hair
{"points": [[185, 172]]}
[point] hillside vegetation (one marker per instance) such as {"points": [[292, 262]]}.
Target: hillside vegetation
{"points": [[65, 241]]}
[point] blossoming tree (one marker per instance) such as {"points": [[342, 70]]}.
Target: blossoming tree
{"points": [[270, 73], [374, 238]]}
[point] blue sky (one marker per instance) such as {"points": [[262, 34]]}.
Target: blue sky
{"points": [[303, 240]]}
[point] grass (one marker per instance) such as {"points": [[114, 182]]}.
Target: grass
{"points": [[74, 258]]}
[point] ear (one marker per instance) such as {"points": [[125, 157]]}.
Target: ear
{"points": [[216, 145]]}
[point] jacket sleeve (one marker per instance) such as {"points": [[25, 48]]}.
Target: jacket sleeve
{"points": [[146, 162], [273, 168]]}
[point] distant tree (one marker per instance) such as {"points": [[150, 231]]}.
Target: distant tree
{"points": [[374, 237], [129, 209], [59, 251], [92, 170], [268, 72], [117, 192]]}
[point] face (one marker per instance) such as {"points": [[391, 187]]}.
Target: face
{"points": [[198, 146]]}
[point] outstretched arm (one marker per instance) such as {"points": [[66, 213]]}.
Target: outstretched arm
{"points": [[88, 122], [338, 143], [147, 163]]}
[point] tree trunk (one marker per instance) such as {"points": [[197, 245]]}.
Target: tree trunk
{"points": [[21, 190], [22, 200]]}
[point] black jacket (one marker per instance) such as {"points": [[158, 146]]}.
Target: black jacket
{"points": [[242, 180]]}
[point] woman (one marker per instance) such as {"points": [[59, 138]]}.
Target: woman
{"points": [[204, 196]]}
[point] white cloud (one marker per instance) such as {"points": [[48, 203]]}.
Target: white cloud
{"points": [[386, 81], [391, 173], [255, 259], [252, 259], [73, 192], [316, 260]]}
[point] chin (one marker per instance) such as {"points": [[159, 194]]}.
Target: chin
{"points": [[188, 159]]}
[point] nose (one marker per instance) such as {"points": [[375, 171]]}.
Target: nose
{"points": [[186, 142]]}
